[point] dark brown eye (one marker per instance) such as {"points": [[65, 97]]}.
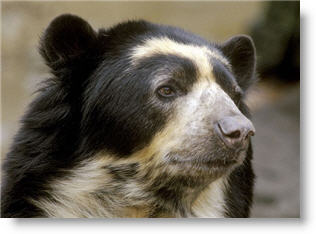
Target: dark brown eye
{"points": [[166, 91]]}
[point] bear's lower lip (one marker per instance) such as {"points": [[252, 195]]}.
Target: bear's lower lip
{"points": [[210, 170], [206, 163]]}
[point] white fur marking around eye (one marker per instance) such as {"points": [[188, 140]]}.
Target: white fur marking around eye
{"points": [[198, 54]]}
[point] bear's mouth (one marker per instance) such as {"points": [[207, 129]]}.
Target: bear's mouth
{"points": [[206, 162]]}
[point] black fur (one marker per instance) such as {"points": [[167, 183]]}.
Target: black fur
{"points": [[241, 54], [83, 109], [227, 81]]}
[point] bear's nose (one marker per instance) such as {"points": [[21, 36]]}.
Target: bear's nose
{"points": [[234, 131]]}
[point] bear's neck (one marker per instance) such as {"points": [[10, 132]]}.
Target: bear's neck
{"points": [[161, 195], [102, 189]]}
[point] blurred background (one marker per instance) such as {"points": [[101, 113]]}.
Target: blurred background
{"points": [[274, 101]]}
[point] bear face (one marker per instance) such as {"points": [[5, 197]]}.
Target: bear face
{"points": [[149, 114], [158, 92]]}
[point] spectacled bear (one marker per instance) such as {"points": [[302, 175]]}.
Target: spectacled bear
{"points": [[137, 120]]}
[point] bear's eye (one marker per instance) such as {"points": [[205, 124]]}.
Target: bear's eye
{"points": [[166, 91]]}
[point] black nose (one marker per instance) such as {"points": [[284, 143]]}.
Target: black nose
{"points": [[234, 131]]}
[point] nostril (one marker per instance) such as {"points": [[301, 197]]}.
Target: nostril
{"points": [[251, 133], [235, 134], [229, 134]]}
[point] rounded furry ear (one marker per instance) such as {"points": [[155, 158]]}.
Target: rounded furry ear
{"points": [[241, 53], [67, 37]]}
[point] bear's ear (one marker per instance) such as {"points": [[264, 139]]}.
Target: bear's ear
{"points": [[68, 37], [240, 51]]}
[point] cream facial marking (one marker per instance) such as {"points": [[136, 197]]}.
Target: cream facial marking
{"points": [[198, 54]]}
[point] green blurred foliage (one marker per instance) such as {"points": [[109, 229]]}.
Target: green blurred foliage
{"points": [[277, 38]]}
